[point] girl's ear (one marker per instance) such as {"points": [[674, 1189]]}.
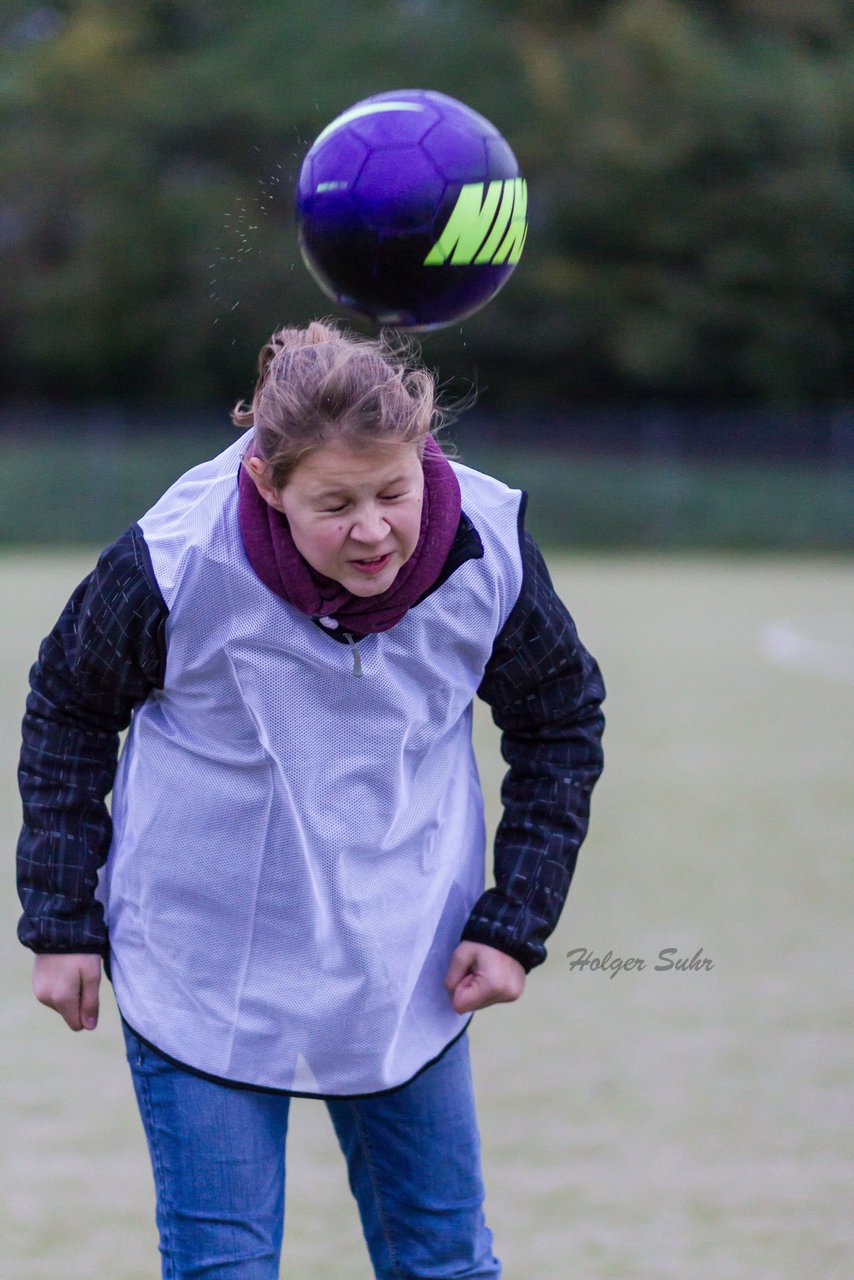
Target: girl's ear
{"points": [[259, 475]]}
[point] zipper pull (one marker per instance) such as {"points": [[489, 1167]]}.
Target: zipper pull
{"points": [[357, 657]]}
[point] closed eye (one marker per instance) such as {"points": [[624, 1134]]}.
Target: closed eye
{"points": [[383, 497]]}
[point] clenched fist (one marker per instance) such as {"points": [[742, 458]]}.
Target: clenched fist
{"points": [[69, 984], [480, 975]]}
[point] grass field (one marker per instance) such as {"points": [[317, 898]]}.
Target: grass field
{"points": [[95, 482], [653, 1125]]}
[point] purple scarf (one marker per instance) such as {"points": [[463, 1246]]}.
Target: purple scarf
{"points": [[271, 551]]}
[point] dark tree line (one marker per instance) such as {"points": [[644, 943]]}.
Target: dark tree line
{"points": [[689, 167]]}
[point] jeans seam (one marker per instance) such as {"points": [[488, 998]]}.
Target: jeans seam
{"points": [[159, 1177], [372, 1174]]}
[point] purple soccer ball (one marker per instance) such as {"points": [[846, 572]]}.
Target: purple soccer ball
{"points": [[411, 210]]}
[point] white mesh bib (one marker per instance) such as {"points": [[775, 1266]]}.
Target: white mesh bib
{"points": [[295, 849]]}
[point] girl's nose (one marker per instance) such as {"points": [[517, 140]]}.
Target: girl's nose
{"points": [[370, 526]]}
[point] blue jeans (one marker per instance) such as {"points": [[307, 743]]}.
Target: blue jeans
{"points": [[218, 1155]]}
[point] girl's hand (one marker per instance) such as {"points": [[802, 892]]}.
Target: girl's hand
{"points": [[69, 984], [480, 975]]}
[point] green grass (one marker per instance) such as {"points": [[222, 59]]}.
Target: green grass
{"points": [[650, 1126], [88, 488], [626, 504]]}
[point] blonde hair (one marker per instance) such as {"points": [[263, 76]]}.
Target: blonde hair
{"points": [[324, 383]]}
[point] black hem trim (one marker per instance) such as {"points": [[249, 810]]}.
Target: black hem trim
{"points": [[42, 948], [142, 550], [141, 546], [291, 1093], [498, 939], [520, 522], [522, 536], [467, 546]]}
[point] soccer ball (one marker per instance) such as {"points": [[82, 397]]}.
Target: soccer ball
{"points": [[411, 210]]}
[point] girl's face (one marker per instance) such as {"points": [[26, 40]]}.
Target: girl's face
{"points": [[355, 516]]}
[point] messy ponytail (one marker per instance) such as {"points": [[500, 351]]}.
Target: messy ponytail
{"points": [[325, 383]]}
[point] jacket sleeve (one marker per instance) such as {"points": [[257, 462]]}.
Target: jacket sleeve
{"points": [[545, 691], [103, 658]]}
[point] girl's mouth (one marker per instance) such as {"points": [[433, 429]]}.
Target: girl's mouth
{"points": [[373, 565]]}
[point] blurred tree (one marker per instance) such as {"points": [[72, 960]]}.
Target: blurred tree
{"points": [[692, 191], [689, 164]]}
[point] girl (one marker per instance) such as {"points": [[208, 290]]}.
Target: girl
{"points": [[289, 895]]}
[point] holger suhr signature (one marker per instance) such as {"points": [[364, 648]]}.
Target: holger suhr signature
{"points": [[668, 958]]}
